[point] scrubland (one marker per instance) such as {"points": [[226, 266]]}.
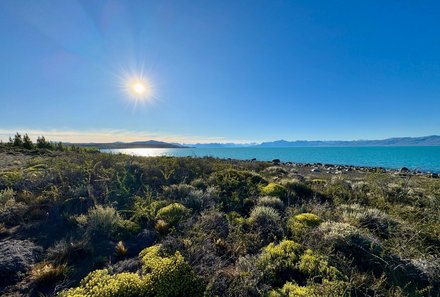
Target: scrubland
{"points": [[82, 223]]}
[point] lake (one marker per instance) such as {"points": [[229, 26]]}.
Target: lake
{"points": [[423, 158]]}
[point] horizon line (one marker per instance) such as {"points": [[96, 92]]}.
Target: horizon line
{"points": [[127, 136]]}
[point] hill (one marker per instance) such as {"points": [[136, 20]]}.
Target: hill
{"points": [[136, 144]]}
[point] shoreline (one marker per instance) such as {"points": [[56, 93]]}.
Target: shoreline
{"points": [[322, 167]]}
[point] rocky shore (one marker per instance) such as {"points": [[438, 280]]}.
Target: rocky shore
{"points": [[326, 169]]}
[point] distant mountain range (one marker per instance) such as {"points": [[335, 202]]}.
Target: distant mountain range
{"points": [[136, 144], [433, 140], [221, 145]]}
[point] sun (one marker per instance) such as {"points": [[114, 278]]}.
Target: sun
{"points": [[138, 88]]}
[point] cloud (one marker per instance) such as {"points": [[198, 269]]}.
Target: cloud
{"points": [[108, 135]]}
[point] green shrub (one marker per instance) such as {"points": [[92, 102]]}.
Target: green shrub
{"points": [[364, 249], [168, 275], [100, 283], [127, 228], [234, 186], [172, 214], [161, 276], [298, 189], [11, 178], [371, 218], [279, 260], [100, 221], [5, 196], [264, 214], [313, 264], [273, 189], [297, 224], [291, 290], [288, 260], [266, 224], [271, 201], [11, 211], [326, 289]]}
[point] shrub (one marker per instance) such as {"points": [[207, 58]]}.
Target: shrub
{"points": [[48, 273], [273, 189], [100, 283], [326, 289], [298, 189], [288, 260], [6, 195], [313, 264], [275, 171], [64, 251], [177, 192], [234, 186], [171, 214], [278, 261], [297, 224], [11, 178], [11, 211], [100, 221], [271, 201], [364, 249], [161, 275], [127, 228], [121, 250], [264, 214], [375, 220], [168, 275], [266, 223]]}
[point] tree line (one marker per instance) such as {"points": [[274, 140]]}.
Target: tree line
{"points": [[25, 142]]}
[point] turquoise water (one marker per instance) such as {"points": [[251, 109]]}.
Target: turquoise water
{"points": [[426, 158]]}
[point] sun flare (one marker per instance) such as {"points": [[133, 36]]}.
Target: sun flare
{"points": [[139, 88]]}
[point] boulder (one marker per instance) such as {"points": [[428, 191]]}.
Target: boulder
{"points": [[16, 258], [404, 170]]}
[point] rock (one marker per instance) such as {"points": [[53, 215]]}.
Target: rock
{"points": [[16, 257], [404, 170]]}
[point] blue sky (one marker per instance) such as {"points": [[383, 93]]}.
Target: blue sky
{"points": [[220, 70]]}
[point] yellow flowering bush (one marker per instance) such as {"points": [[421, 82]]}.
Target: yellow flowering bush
{"points": [[170, 275], [289, 259], [326, 289], [100, 283], [297, 224], [273, 189], [161, 276], [315, 265], [278, 259]]}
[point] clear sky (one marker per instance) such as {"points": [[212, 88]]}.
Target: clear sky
{"points": [[220, 70]]}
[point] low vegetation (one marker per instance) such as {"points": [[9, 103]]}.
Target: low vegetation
{"points": [[76, 222]]}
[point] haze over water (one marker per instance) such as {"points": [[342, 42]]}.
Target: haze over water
{"points": [[423, 158]]}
